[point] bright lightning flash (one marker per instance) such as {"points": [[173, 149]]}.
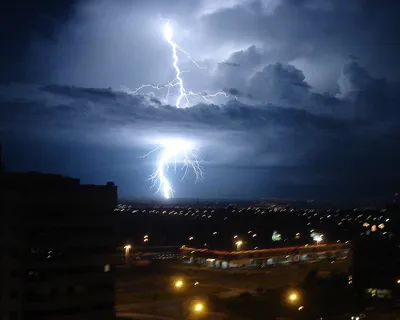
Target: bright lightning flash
{"points": [[174, 152], [183, 94], [168, 37]]}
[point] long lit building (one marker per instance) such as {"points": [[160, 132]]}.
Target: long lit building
{"points": [[263, 257], [56, 248]]}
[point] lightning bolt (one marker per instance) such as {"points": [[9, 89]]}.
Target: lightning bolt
{"points": [[168, 37], [185, 96], [176, 152], [173, 152]]}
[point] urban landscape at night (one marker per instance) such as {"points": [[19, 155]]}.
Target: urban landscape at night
{"points": [[177, 260]]}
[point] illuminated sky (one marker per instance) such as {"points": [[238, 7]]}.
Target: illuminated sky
{"points": [[317, 85]]}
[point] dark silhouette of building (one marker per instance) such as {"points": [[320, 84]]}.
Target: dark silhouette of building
{"points": [[393, 211], [56, 248], [374, 266]]}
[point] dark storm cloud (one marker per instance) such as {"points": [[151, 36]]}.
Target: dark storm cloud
{"points": [[278, 84], [319, 32], [104, 43], [370, 96], [245, 62], [271, 135], [230, 64], [316, 83], [288, 147], [354, 78]]}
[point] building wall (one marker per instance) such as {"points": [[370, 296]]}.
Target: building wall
{"points": [[58, 246]]}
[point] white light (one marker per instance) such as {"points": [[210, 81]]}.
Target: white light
{"points": [[168, 31], [172, 152], [317, 238], [177, 82]]}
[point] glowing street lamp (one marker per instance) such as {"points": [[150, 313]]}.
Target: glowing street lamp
{"points": [[127, 251], [238, 244], [198, 308], [318, 239], [293, 297], [178, 284]]}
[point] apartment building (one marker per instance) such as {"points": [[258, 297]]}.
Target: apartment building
{"points": [[57, 247]]}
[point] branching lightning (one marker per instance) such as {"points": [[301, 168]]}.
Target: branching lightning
{"points": [[176, 152], [172, 153], [184, 95]]}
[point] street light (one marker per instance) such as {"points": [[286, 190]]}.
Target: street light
{"points": [[198, 307], [238, 244], [318, 239], [293, 298], [178, 284], [127, 250]]}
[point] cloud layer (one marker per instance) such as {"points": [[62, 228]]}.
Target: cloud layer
{"points": [[296, 147]]}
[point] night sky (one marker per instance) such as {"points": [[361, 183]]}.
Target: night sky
{"points": [[313, 111]]}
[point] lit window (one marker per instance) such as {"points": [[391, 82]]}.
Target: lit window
{"points": [[107, 268]]}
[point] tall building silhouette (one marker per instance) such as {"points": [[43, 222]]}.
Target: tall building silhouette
{"points": [[56, 248]]}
